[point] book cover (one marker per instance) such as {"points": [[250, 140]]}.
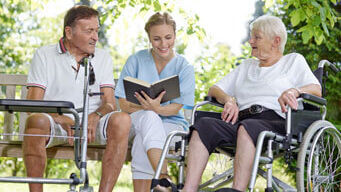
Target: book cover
{"points": [[170, 85]]}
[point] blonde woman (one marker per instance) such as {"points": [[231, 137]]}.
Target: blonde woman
{"points": [[152, 121]]}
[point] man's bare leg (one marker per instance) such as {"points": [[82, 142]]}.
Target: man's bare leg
{"points": [[34, 148], [116, 150], [245, 153]]}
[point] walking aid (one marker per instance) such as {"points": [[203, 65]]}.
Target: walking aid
{"points": [[80, 132]]}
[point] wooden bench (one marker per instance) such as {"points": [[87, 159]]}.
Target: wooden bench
{"points": [[10, 86], [11, 146]]}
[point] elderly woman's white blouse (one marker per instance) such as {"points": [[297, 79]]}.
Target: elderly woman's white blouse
{"points": [[251, 84]]}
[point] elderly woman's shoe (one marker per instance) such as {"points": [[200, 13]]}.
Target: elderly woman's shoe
{"points": [[165, 184], [227, 190]]}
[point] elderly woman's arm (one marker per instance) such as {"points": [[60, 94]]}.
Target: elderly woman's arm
{"points": [[313, 89], [219, 94], [289, 96], [231, 110]]}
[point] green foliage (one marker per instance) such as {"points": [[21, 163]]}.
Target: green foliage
{"points": [[10, 12], [317, 18], [213, 64], [10, 166], [22, 31], [60, 168]]}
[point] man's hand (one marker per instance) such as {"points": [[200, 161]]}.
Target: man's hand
{"points": [[230, 112], [148, 103], [93, 120], [66, 123], [288, 97]]}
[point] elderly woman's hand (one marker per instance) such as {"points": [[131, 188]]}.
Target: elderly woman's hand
{"points": [[288, 97], [230, 112]]}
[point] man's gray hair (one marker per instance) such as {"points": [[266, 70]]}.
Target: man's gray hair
{"points": [[271, 26]]}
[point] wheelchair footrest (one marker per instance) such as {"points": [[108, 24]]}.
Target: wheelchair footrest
{"points": [[164, 183]]}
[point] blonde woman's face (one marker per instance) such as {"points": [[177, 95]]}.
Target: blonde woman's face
{"points": [[162, 38]]}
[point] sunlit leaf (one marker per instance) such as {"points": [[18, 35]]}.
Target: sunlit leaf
{"points": [[295, 17], [269, 3], [157, 6], [322, 14], [315, 4], [316, 20], [304, 28], [324, 26], [306, 36], [318, 36]]}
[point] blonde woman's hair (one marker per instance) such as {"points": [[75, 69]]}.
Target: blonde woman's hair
{"points": [[159, 19], [271, 26]]}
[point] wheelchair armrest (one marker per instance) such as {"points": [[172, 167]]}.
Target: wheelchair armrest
{"points": [[20, 105], [213, 101], [313, 98]]}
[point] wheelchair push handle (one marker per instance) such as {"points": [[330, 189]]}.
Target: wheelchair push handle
{"points": [[329, 64]]}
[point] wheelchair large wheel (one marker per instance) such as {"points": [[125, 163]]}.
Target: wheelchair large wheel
{"points": [[319, 159]]}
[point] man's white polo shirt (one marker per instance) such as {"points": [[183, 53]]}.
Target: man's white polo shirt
{"points": [[53, 69]]}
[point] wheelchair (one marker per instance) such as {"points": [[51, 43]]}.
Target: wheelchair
{"points": [[80, 134], [312, 141]]}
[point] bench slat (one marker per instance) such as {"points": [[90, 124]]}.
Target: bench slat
{"points": [[14, 149], [9, 118], [13, 79]]}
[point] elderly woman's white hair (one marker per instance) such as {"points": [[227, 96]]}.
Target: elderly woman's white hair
{"points": [[271, 26]]}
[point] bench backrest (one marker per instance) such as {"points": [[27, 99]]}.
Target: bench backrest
{"points": [[9, 86]]}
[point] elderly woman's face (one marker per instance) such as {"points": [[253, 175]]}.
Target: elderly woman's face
{"points": [[261, 45], [162, 38]]}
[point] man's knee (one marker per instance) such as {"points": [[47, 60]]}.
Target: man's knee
{"points": [[119, 125], [37, 124]]}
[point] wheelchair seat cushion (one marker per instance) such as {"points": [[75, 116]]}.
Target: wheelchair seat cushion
{"points": [[215, 132]]}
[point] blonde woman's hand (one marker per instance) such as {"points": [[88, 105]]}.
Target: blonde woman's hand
{"points": [[148, 103]]}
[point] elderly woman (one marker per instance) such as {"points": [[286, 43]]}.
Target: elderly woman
{"points": [[266, 84], [151, 120]]}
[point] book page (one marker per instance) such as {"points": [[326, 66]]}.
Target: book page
{"points": [[156, 82], [137, 81]]}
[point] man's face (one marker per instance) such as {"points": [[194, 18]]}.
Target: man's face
{"points": [[83, 36]]}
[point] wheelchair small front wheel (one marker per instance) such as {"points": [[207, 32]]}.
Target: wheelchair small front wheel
{"points": [[319, 159]]}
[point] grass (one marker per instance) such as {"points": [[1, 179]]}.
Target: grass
{"points": [[124, 184]]}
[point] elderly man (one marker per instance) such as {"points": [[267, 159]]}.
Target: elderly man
{"points": [[270, 82], [56, 74]]}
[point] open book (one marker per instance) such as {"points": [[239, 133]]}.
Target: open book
{"points": [[170, 85]]}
